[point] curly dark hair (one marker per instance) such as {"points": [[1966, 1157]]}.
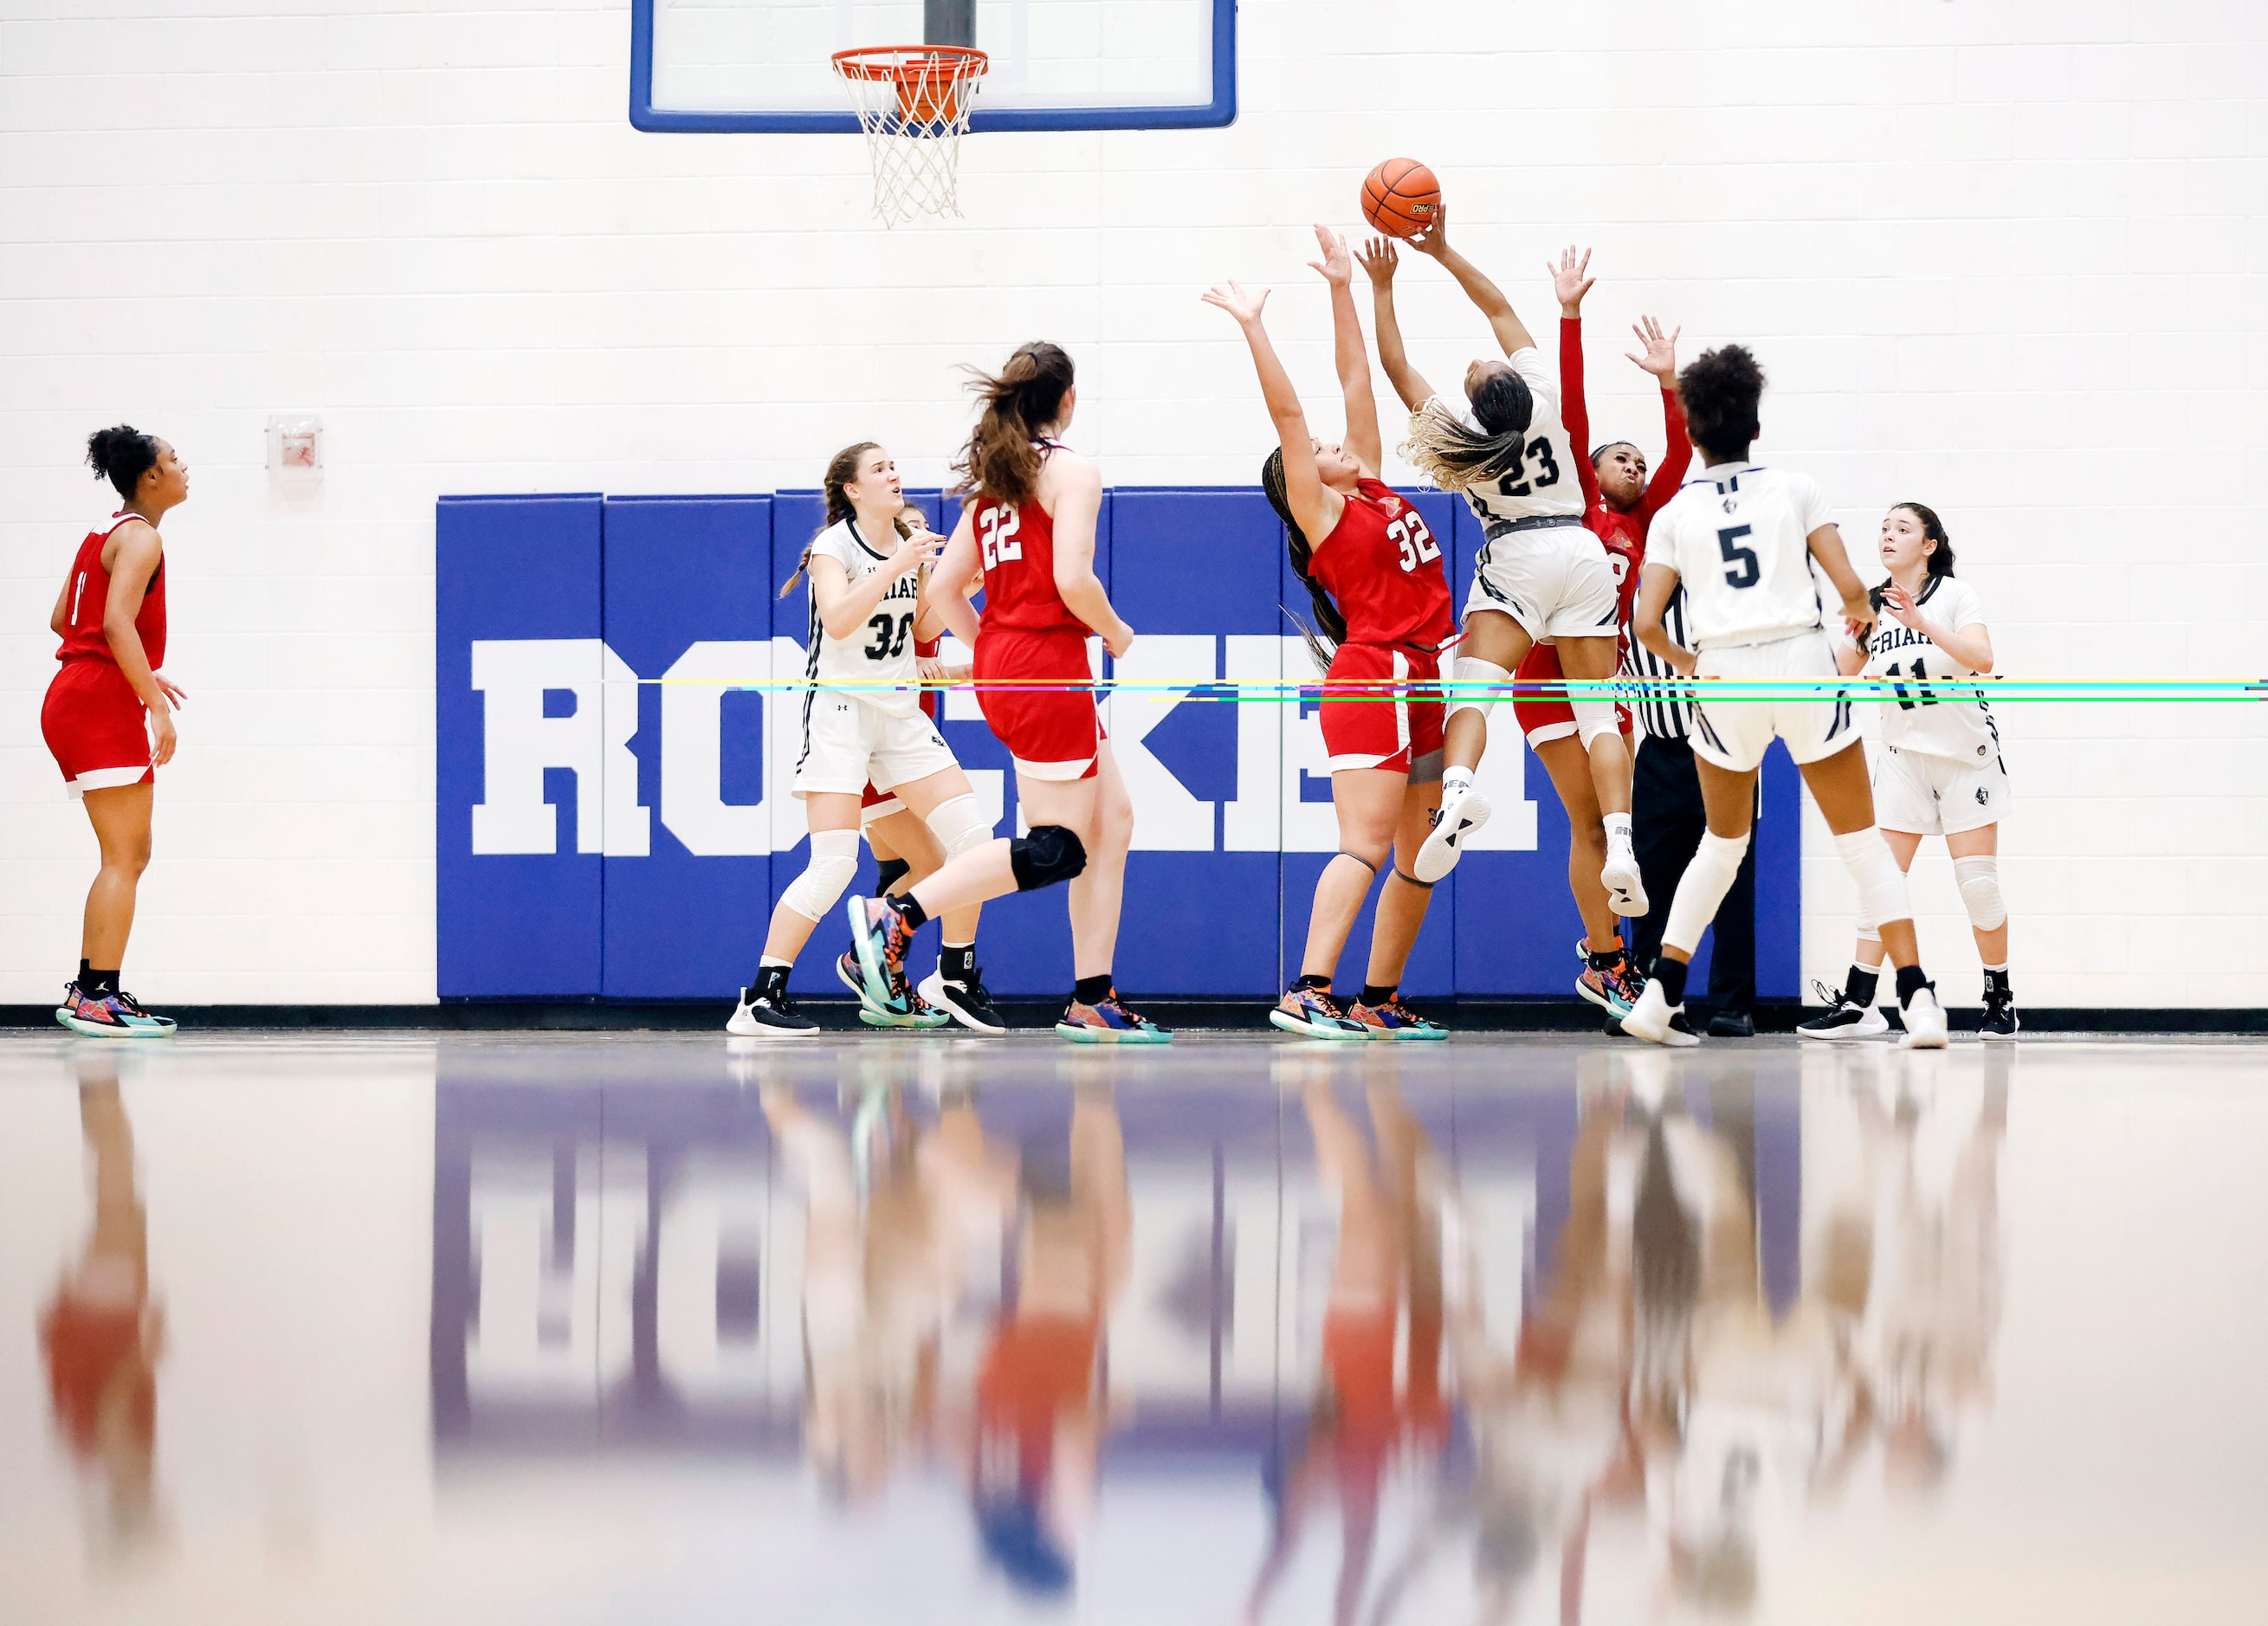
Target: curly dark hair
{"points": [[1720, 389]]}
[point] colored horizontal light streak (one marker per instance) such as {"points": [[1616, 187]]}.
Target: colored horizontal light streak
{"points": [[1716, 691]]}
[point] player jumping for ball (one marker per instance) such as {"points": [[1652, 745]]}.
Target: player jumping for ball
{"points": [[1028, 524], [1540, 575], [1381, 599], [1740, 537]]}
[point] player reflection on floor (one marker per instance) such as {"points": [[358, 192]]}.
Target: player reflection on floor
{"points": [[102, 1332], [1388, 1255]]}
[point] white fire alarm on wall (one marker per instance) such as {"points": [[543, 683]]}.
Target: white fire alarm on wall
{"points": [[295, 446]]}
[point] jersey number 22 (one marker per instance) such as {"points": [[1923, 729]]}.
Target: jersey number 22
{"points": [[999, 525]]}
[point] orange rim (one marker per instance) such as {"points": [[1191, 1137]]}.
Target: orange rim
{"points": [[911, 63]]}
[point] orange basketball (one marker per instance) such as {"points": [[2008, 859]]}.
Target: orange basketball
{"points": [[1401, 197]]}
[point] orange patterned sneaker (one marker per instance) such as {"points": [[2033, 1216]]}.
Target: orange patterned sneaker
{"points": [[1391, 1018]]}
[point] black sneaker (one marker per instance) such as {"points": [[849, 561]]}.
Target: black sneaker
{"points": [[1731, 1024], [766, 1014], [1999, 1017], [969, 1003], [1845, 1018]]}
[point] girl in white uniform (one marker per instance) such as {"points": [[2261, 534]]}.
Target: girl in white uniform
{"points": [[1741, 538], [862, 723], [1541, 577], [1937, 771]]}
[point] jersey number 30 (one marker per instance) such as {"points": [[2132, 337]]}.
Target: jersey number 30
{"points": [[1000, 542], [1418, 546]]}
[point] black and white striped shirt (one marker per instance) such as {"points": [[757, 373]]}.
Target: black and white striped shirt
{"points": [[1665, 712]]}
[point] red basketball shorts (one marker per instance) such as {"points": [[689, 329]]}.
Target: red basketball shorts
{"points": [[1024, 682], [1370, 720], [1544, 719], [94, 724]]}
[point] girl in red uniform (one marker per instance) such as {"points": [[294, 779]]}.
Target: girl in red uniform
{"points": [[1380, 595], [1028, 522], [1619, 502], [108, 716]]}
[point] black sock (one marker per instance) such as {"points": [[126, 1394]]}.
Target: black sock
{"points": [[1671, 974], [770, 980], [1320, 984], [956, 963], [1092, 991], [85, 976], [1373, 996], [1604, 960], [909, 906], [102, 984], [1910, 982], [1996, 984], [1860, 988], [888, 873]]}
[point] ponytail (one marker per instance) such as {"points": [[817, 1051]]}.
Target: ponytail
{"points": [[841, 469], [121, 455], [1939, 562], [1329, 630], [1453, 455], [1000, 462]]}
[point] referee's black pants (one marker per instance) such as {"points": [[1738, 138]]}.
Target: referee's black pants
{"points": [[1666, 824]]}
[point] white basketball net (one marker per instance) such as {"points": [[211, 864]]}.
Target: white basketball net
{"points": [[913, 104]]}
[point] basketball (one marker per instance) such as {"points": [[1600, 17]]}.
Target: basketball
{"points": [[1401, 197]]}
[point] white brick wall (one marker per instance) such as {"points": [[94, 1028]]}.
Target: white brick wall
{"points": [[2004, 257]]}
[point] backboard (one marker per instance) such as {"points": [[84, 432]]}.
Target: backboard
{"points": [[758, 65]]}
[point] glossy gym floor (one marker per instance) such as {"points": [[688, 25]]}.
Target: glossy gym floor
{"points": [[647, 1329]]}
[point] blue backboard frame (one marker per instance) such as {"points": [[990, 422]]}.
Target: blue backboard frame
{"points": [[1211, 116]]}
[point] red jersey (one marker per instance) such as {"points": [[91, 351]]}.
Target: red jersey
{"points": [[90, 591], [1382, 568], [1017, 542], [1623, 533], [932, 700]]}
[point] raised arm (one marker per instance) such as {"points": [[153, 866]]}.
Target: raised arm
{"points": [[844, 606], [1076, 506], [1972, 645], [1312, 503], [1571, 280], [1511, 333], [1363, 442], [1380, 260], [1658, 355]]}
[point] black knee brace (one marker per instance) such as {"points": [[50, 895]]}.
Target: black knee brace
{"points": [[888, 873], [1051, 853]]}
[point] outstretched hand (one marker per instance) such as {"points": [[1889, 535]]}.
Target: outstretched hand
{"points": [[1380, 259], [1658, 355], [1434, 239], [1231, 297], [1335, 267], [1571, 280]]}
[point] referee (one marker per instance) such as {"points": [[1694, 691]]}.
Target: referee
{"points": [[1667, 820]]}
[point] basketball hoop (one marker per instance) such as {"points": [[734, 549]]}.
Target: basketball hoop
{"points": [[913, 103]]}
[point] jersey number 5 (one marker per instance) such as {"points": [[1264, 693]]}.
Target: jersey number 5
{"points": [[1743, 559], [1415, 542], [999, 526]]}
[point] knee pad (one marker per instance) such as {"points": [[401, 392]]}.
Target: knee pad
{"points": [[960, 824], [1051, 853], [888, 872], [1980, 891], [1594, 719], [834, 861], [1716, 865], [1470, 674], [1881, 883]]}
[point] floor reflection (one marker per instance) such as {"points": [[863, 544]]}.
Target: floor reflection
{"points": [[647, 1331]]}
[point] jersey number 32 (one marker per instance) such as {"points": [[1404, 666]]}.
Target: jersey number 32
{"points": [[1416, 542], [998, 525]]}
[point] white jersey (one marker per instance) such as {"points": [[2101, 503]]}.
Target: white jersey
{"points": [[1953, 724], [880, 653], [1546, 483], [1737, 535]]}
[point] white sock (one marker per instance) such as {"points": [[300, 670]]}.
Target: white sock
{"points": [[1456, 779], [1618, 826], [2002, 966], [774, 960]]}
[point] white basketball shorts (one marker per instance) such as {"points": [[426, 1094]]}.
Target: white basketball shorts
{"points": [[1734, 734], [1936, 795], [848, 745], [1554, 580]]}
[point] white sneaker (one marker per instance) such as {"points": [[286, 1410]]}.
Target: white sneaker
{"points": [[1654, 1020], [764, 1016], [1626, 890], [1925, 1021], [1461, 813]]}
